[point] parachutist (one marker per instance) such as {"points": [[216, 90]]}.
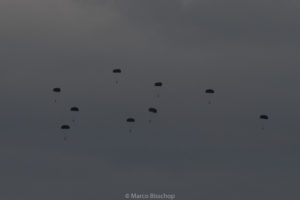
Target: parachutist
{"points": [[263, 117], [209, 92], [117, 71]]}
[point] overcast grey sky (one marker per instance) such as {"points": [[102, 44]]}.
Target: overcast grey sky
{"points": [[246, 50]]}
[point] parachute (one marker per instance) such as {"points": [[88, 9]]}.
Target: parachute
{"points": [[130, 120], [56, 89], [266, 117], [152, 110], [65, 127], [158, 84], [209, 91], [117, 71], [74, 109]]}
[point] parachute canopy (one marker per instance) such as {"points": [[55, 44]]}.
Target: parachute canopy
{"points": [[65, 127], [158, 84], [56, 89], [130, 120], [152, 110], [74, 109], [265, 117], [209, 91], [117, 71]]}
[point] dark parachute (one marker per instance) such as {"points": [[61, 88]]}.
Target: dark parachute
{"points": [[74, 109], [209, 92], [158, 84], [56, 89], [264, 118], [65, 127], [117, 71], [152, 110], [130, 120]]}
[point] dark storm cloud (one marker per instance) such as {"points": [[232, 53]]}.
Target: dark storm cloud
{"points": [[247, 51]]}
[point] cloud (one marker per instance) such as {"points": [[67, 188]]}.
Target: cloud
{"points": [[195, 23], [246, 50]]}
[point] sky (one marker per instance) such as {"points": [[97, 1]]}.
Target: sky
{"points": [[246, 50]]}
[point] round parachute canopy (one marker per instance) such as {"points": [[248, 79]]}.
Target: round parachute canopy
{"points": [[56, 89], [65, 127], [265, 117], [117, 71], [152, 110], [74, 109], [158, 84], [209, 91], [130, 120]]}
